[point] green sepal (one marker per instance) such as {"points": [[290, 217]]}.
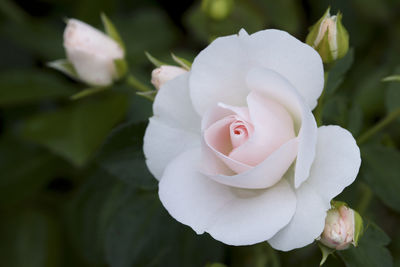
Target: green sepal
{"points": [[65, 67], [121, 67], [184, 63], [157, 63], [325, 253], [324, 49], [112, 31], [88, 92], [392, 78], [358, 228], [342, 37], [314, 30]]}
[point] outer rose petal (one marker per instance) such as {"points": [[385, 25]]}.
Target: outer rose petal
{"points": [[272, 85], [233, 216], [219, 71], [335, 167], [174, 128]]}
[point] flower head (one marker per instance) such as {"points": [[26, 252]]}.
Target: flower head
{"points": [[236, 148]]}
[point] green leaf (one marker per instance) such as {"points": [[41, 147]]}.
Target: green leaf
{"points": [[371, 251], [122, 156], [90, 212], [30, 239], [355, 119], [75, 132], [184, 63], [123, 226], [21, 87], [392, 99], [150, 237], [157, 63], [25, 170], [338, 71], [380, 170], [65, 67], [111, 30], [215, 265]]}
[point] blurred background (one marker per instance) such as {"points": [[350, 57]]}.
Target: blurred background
{"points": [[74, 189]]}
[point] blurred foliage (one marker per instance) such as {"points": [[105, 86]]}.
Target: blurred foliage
{"points": [[75, 190]]}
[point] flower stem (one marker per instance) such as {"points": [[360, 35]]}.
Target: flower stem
{"points": [[379, 126], [319, 108], [143, 89]]}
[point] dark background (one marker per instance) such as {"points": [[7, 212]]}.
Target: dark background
{"points": [[74, 189]]}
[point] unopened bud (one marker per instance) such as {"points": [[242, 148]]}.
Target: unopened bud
{"points": [[217, 9], [343, 227], [92, 53], [165, 73], [329, 37]]}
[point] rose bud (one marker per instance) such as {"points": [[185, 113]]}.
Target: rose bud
{"points": [[343, 227], [217, 9], [329, 37], [93, 54], [163, 74]]}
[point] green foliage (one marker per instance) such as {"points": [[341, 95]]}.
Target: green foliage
{"points": [[74, 186], [76, 131], [371, 251], [380, 170], [22, 87]]}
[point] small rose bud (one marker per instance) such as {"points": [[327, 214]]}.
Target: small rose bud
{"points": [[92, 53], [165, 73], [329, 37], [217, 9], [343, 227]]}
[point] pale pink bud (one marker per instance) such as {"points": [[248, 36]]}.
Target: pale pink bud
{"points": [[92, 53], [339, 228], [165, 73]]}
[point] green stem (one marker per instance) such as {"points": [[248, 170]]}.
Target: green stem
{"points": [[320, 106], [379, 126], [144, 90]]}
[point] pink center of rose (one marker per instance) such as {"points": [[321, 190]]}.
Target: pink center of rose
{"points": [[243, 137]]}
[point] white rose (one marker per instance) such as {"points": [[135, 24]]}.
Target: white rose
{"points": [[92, 53], [237, 150]]}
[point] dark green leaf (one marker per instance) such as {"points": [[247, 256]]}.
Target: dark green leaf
{"points": [[338, 71], [20, 87], [30, 239], [25, 170], [381, 170], [371, 251], [122, 155], [75, 132], [143, 234]]}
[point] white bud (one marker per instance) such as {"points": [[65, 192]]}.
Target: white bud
{"points": [[165, 73], [339, 228], [92, 53]]}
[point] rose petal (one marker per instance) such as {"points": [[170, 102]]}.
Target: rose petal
{"points": [[232, 216], [264, 175], [273, 127], [272, 85], [335, 167], [94, 69], [174, 128], [219, 71]]}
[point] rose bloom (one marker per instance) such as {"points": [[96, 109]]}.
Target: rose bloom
{"points": [[236, 148]]}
